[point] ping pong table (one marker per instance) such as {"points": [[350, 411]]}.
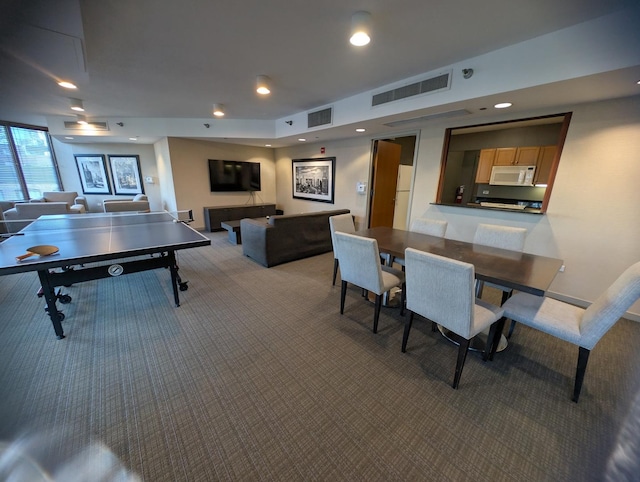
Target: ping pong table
{"points": [[96, 246]]}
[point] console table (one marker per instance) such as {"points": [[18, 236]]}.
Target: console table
{"points": [[214, 215]]}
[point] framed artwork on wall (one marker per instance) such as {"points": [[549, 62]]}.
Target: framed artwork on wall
{"points": [[127, 177], [313, 179], [92, 169]]}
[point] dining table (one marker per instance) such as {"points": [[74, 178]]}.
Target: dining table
{"points": [[527, 272]]}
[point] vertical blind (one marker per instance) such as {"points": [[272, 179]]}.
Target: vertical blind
{"points": [[27, 164]]}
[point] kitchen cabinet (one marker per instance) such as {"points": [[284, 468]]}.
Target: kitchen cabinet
{"points": [[544, 164], [527, 156], [505, 156], [485, 163]]}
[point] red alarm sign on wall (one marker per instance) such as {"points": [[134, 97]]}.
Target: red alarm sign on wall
{"points": [[322, 150]]}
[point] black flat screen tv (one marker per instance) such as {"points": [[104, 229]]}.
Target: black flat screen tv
{"points": [[228, 176]]}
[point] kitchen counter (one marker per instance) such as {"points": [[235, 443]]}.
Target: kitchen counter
{"points": [[491, 208]]}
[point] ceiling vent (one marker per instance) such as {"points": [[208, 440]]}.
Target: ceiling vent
{"points": [[426, 86], [424, 118], [96, 126], [320, 118]]}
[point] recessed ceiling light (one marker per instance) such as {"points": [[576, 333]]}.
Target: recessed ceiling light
{"points": [[267, 145], [67, 85], [133, 138], [360, 130], [76, 104], [503, 105], [81, 119], [68, 138], [302, 140], [360, 29], [263, 85], [218, 110]]}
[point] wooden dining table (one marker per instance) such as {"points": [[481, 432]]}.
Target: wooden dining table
{"points": [[530, 273]]}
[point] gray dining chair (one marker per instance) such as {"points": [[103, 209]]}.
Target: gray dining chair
{"points": [[503, 237], [343, 223], [442, 290], [432, 227], [582, 327], [360, 265]]}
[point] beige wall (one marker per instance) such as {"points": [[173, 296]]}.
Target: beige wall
{"points": [[71, 180], [190, 173]]}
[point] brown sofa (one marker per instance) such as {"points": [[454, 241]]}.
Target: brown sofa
{"points": [[285, 238]]}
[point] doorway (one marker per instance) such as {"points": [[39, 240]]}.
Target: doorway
{"points": [[391, 173]]}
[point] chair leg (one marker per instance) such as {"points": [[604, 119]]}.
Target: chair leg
{"points": [[494, 333], [462, 356], [343, 295], [434, 326], [335, 270], [496, 337], [583, 358], [407, 329], [479, 287], [403, 297], [376, 314], [511, 327]]}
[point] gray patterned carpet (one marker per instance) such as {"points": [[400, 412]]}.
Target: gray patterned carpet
{"points": [[258, 377]]}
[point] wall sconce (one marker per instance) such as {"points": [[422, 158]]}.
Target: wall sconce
{"points": [[76, 104], [218, 110], [263, 85], [81, 119], [360, 29]]}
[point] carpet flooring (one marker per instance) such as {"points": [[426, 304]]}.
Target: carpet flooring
{"points": [[257, 376]]}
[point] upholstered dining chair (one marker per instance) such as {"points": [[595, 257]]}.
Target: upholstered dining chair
{"points": [[343, 223], [503, 237], [360, 265], [432, 227], [582, 327], [442, 290]]}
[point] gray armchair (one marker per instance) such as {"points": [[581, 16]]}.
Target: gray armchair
{"points": [[360, 265], [582, 327], [442, 290]]}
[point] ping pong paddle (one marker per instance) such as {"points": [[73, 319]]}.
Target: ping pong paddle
{"points": [[40, 250]]}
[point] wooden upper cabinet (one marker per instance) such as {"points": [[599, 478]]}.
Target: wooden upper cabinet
{"points": [[485, 163], [544, 164], [505, 156], [527, 156]]}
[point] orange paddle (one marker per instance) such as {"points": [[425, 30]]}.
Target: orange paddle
{"points": [[41, 250]]}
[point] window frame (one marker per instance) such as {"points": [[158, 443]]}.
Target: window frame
{"points": [[13, 148]]}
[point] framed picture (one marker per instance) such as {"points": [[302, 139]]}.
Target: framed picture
{"points": [[93, 174], [127, 178], [313, 179]]}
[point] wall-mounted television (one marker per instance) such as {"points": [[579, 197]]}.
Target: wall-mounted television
{"points": [[228, 176]]}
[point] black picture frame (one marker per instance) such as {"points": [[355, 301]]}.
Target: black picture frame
{"points": [[126, 174], [313, 179], [94, 177]]}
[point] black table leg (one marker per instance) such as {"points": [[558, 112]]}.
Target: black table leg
{"points": [[173, 267], [48, 291]]}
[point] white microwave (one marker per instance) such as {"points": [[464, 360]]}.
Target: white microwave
{"points": [[512, 175]]}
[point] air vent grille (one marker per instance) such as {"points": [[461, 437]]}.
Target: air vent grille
{"points": [[320, 117], [96, 126], [434, 84]]}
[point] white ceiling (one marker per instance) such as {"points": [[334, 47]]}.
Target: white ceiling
{"points": [[162, 59]]}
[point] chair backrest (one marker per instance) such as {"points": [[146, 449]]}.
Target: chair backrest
{"points": [[504, 237], [432, 227], [359, 260], [610, 306], [344, 224], [68, 197], [440, 289]]}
